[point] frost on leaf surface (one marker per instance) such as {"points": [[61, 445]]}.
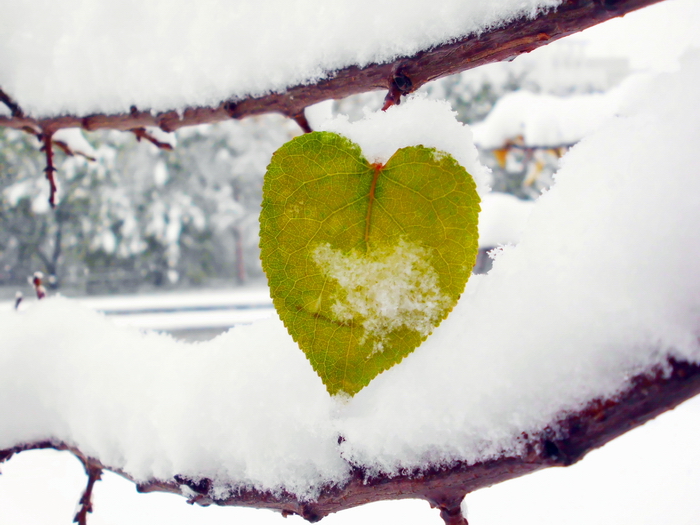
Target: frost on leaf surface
{"points": [[364, 260]]}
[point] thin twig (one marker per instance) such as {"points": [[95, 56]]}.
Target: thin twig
{"points": [[11, 104], [141, 133], [94, 473], [65, 148], [50, 169]]}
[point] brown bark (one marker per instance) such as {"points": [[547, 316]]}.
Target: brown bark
{"points": [[401, 76], [562, 443]]}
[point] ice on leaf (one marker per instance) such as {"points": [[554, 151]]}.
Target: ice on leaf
{"points": [[364, 260]]}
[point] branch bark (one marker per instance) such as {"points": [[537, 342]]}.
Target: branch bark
{"points": [[404, 75], [562, 443]]}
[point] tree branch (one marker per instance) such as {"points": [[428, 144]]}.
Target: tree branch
{"points": [[11, 105], [401, 76], [93, 469], [50, 169], [562, 443], [141, 133]]}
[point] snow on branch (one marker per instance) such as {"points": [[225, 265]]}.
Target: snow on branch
{"points": [[562, 443], [403, 75]]}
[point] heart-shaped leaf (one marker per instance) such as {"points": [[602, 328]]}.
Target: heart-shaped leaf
{"points": [[364, 260]]}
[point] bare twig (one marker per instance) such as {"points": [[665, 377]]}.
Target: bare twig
{"points": [[65, 148], [93, 469], [141, 133], [50, 169], [11, 104], [497, 44]]}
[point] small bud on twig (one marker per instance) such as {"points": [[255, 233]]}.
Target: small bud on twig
{"points": [[37, 279]]}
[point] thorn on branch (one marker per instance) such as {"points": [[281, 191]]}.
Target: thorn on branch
{"points": [[94, 473], [11, 104], [303, 122], [141, 133]]}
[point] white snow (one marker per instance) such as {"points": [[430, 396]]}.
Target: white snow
{"points": [[544, 120], [602, 284], [502, 219], [611, 487], [75, 140], [418, 120], [385, 289], [82, 56], [220, 309]]}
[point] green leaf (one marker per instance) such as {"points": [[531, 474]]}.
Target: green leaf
{"points": [[364, 260]]}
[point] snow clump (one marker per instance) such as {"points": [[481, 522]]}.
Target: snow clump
{"points": [[386, 289]]}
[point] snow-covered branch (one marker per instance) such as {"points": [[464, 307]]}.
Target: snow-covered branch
{"points": [[562, 443], [399, 76]]}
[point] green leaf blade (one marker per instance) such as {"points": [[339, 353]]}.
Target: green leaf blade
{"points": [[364, 261]]}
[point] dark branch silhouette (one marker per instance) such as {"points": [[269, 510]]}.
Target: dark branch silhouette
{"points": [[404, 75]]}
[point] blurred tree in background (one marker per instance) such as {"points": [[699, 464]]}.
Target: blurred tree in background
{"points": [[160, 218], [140, 216]]}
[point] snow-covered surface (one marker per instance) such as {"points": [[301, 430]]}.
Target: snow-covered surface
{"points": [[502, 219], [430, 123], [81, 56], [394, 288], [544, 120], [645, 477], [177, 311], [185, 311], [253, 297], [602, 285]]}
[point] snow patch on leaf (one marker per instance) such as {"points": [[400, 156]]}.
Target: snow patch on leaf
{"points": [[386, 289]]}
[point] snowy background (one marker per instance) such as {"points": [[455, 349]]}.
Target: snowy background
{"points": [[644, 477]]}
